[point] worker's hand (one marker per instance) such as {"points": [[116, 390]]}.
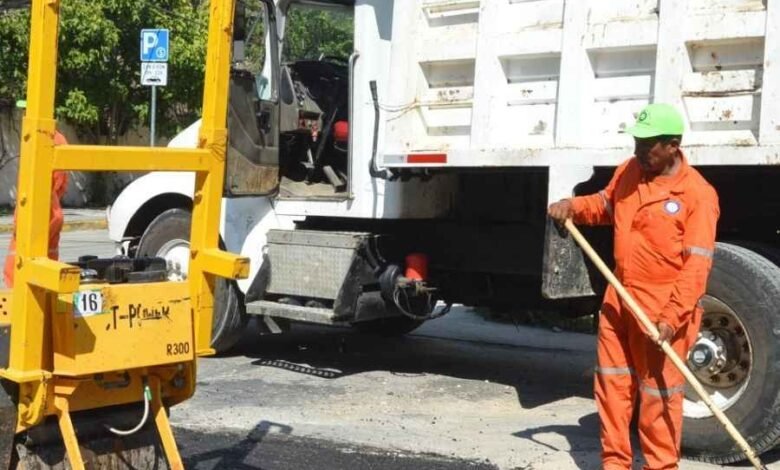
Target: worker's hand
{"points": [[561, 210], [665, 332]]}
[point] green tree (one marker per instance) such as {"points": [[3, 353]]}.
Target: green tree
{"points": [[13, 38], [312, 33], [98, 86], [13, 63]]}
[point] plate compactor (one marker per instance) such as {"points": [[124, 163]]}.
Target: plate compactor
{"points": [[93, 354]]}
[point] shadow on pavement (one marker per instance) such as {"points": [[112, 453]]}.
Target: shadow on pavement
{"points": [[539, 376], [234, 457], [272, 446], [583, 440]]}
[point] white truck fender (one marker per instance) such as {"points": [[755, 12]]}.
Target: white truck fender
{"points": [[140, 192], [144, 189]]}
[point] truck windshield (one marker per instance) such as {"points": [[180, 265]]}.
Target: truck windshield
{"points": [[314, 33]]}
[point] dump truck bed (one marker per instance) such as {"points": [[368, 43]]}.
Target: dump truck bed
{"points": [[542, 82]]}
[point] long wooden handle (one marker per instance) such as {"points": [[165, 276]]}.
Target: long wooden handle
{"points": [[667, 348]]}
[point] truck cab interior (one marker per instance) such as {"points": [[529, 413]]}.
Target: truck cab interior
{"points": [[288, 124]]}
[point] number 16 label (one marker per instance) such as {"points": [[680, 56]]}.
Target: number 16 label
{"points": [[87, 303]]}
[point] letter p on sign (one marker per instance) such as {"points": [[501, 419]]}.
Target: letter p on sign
{"points": [[150, 42], [154, 45]]}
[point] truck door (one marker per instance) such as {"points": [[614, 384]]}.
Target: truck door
{"points": [[253, 117]]}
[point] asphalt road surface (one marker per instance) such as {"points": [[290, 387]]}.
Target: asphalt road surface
{"points": [[459, 387], [459, 393], [275, 451]]}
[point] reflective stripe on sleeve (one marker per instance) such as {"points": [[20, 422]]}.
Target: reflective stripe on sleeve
{"points": [[699, 251], [607, 203]]}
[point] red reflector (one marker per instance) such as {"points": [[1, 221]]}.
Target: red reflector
{"points": [[426, 158], [417, 266], [341, 131]]}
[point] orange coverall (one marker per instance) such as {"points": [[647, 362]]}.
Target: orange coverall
{"points": [[664, 243], [59, 186]]}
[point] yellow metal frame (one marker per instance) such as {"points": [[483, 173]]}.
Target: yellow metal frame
{"points": [[139, 326], [39, 280]]}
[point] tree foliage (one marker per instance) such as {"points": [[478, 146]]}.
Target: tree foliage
{"points": [[98, 83], [13, 63], [98, 86], [313, 33]]}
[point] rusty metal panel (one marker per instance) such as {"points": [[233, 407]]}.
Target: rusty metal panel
{"points": [[564, 272], [253, 149]]}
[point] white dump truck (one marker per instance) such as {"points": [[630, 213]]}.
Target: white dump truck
{"points": [[368, 189]]}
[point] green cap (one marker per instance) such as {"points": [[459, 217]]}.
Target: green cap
{"points": [[657, 119], [21, 104]]}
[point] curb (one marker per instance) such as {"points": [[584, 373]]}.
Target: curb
{"points": [[68, 226]]}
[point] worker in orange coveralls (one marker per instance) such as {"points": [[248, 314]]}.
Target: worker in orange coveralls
{"points": [[664, 215], [59, 186]]}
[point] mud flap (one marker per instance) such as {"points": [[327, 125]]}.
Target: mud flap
{"points": [[564, 273], [42, 449]]}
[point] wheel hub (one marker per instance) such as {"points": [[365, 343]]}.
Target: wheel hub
{"points": [[721, 359], [177, 257], [708, 358], [706, 354], [721, 356]]}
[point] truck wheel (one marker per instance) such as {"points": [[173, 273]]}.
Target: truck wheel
{"points": [[767, 251], [738, 353], [388, 327], [168, 236]]}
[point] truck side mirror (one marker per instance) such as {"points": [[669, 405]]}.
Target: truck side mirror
{"points": [[240, 22], [239, 33]]}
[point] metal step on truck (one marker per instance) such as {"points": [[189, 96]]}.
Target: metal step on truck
{"points": [[368, 188]]}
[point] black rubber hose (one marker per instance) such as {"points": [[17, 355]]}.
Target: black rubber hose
{"points": [[373, 170]]}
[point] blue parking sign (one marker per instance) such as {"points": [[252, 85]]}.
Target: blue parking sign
{"points": [[154, 45]]}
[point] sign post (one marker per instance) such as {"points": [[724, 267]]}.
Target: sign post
{"points": [[154, 67]]}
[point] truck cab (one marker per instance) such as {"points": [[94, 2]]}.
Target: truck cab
{"points": [[299, 149]]}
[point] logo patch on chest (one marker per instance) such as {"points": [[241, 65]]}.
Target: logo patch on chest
{"points": [[672, 207]]}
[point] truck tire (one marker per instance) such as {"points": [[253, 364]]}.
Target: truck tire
{"points": [[168, 236], [764, 249], [742, 319]]}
